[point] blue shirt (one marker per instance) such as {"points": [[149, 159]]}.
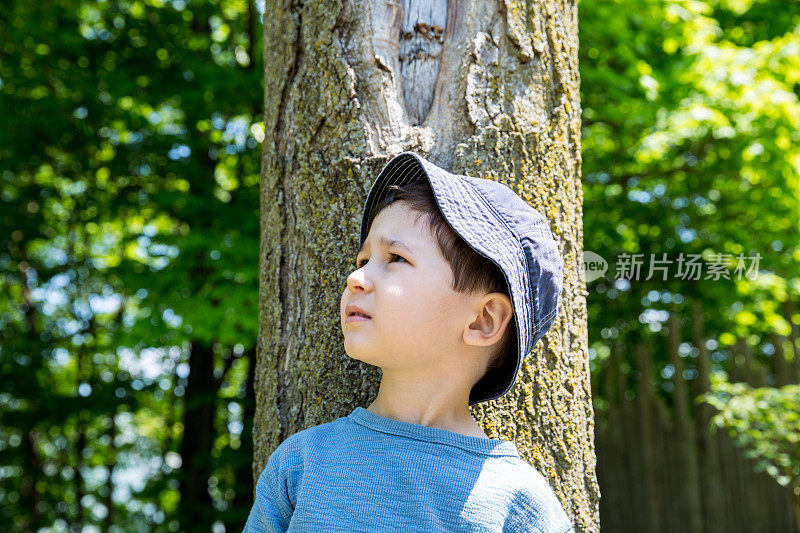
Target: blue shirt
{"points": [[368, 473]]}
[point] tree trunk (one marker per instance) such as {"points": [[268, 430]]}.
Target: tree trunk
{"points": [[713, 497], [788, 314], [482, 89], [610, 440], [243, 473], [198, 439], [108, 497], [685, 430], [783, 375], [646, 443], [29, 495], [80, 445]]}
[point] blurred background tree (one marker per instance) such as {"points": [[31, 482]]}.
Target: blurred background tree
{"points": [[129, 170], [129, 212], [692, 163], [766, 423]]}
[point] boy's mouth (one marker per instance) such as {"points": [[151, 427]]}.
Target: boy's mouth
{"points": [[356, 313]]}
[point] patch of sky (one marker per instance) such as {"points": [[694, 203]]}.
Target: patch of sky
{"points": [[61, 356], [142, 170], [754, 150], [132, 137], [654, 318], [642, 197], [109, 133], [718, 356], [690, 158], [92, 26], [104, 303], [217, 121], [171, 318], [84, 389], [237, 131], [652, 296], [51, 294], [663, 296], [81, 309], [609, 333], [157, 255], [686, 349], [132, 477], [685, 234], [235, 427], [168, 119], [72, 188], [68, 326], [598, 177], [622, 284], [179, 151], [680, 202], [182, 370], [148, 363]]}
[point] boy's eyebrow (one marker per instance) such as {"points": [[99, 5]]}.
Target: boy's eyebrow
{"points": [[387, 242]]}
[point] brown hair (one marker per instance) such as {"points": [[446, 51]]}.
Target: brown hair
{"points": [[471, 271]]}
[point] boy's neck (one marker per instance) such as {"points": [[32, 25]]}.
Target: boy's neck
{"points": [[461, 423]]}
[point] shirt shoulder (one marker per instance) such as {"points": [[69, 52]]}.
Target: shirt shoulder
{"points": [[314, 438], [293, 455], [535, 506]]}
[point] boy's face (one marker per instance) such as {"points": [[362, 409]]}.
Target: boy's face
{"points": [[416, 320]]}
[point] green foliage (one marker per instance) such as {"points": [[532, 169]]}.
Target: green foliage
{"points": [[765, 422], [128, 241], [129, 227], [691, 147]]}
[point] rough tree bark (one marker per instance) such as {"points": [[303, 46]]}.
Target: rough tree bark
{"points": [[484, 88]]}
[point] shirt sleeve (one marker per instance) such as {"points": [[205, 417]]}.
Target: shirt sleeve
{"points": [[272, 507]]}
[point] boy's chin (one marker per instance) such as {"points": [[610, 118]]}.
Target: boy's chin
{"points": [[359, 355]]}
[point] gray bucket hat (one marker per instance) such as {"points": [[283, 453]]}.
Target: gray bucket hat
{"points": [[495, 222]]}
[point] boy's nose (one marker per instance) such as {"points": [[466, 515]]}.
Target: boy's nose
{"points": [[358, 281]]}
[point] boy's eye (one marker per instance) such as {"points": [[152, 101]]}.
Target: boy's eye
{"points": [[361, 263]]}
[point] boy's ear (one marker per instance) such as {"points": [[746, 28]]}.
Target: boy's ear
{"points": [[494, 313]]}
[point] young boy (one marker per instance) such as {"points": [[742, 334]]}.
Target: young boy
{"points": [[456, 279]]}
